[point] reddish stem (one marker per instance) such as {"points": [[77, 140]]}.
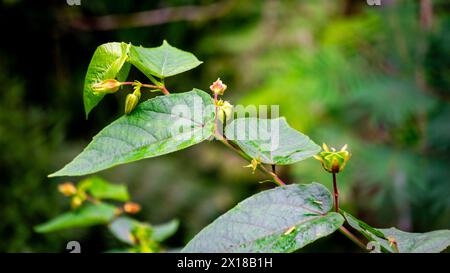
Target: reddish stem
{"points": [[336, 193]]}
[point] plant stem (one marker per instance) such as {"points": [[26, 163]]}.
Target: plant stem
{"points": [[352, 237], [335, 193], [275, 177]]}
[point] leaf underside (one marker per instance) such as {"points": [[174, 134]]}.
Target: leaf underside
{"points": [[271, 140], [156, 127], [429, 242], [282, 219]]}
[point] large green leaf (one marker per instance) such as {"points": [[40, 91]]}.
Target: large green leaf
{"points": [[282, 219], [85, 216], [158, 126], [122, 228], [107, 63], [162, 61], [271, 140], [429, 242], [102, 189]]}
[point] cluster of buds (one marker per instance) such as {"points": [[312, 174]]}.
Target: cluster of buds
{"points": [[333, 161], [218, 87], [132, 99], [224, 110], [106, 87]]}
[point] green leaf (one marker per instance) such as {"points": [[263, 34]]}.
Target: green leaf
{"points": [[282, 219], [271, 140], [163, 231], [107, 63], [156, 127], [122, 229], [102, 189], [163, 61], [85, 216], [429, 242]]}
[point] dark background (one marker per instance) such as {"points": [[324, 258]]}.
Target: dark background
{"points": [[376, 78]]}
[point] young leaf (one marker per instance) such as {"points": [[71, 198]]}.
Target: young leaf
{"points": [[85, 216], [282, 219], [273, 141], [163, 231], [107, 63], [102, 189], [162, 61], [156, 127], [406, 242], [122, 229]]}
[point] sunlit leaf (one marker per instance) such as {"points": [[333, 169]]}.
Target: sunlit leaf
{"points": [[107, 63], [162, 61]]}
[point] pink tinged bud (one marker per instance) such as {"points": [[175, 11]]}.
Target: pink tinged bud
{"points": [[218, 87]]}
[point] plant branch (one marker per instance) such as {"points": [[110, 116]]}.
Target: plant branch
{"points": [[162, 88], [260, 167], [153, 17]]}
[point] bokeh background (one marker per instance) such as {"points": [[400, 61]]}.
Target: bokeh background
{"points": [[374, 77]]}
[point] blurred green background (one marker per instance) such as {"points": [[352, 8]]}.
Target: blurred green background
{"points": [[374, 77]]}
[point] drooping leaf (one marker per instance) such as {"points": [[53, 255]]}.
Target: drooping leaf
{"points": [[282, 219], [88, 215], [122, 228], [273, 141], [429, 242], [102, 189], [156, 127], [162, 61], [106, 63]]}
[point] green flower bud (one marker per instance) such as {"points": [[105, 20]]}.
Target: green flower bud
{"points": [[333, 161], [131, 101], [106, 86]]}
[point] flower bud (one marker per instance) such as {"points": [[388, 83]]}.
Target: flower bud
{"points": [[131, 207], [333, 161], [131, 101], [224, 110], [76, 202], [218, 87], [106, 86], [68, 189]]}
